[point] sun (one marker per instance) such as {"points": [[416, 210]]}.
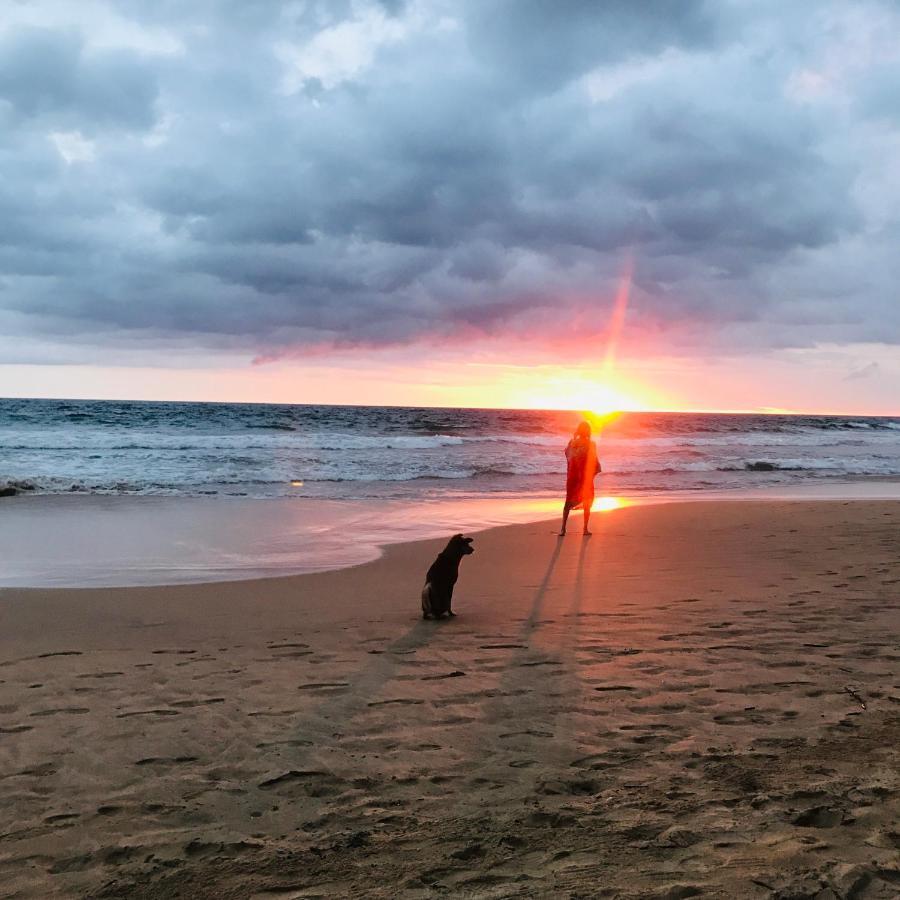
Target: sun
{"points": [[598, 419], [598, 396]]}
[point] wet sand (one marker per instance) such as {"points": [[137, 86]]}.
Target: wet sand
{"points": [[701, 700]]}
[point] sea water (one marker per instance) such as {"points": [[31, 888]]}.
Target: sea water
{"points": [[356, 453], [128, 493]]}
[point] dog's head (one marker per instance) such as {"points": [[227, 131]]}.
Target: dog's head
{"points": [[460, 546]]}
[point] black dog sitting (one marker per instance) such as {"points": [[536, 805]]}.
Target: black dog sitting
{"points": [[438, 591]]}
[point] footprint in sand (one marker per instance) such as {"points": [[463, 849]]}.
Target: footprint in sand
{"points": [[820, 817], [166, 760], [60, 817], [189, 704], [529, 732], [288, 742], [62, 710], [147, 712], [399, 701], [595, 761], [741, 718], [310, 783], [323, 686], [41, 770], [552, 786], [198, 849]]}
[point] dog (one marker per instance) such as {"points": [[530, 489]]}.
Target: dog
{"points": [[441, 577]]}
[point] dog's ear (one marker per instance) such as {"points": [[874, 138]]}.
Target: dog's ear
{"points": [[468, 540], [457, 536]]}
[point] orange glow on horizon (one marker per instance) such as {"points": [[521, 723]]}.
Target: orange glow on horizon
{"points": [[566, 387], [599, 389]]}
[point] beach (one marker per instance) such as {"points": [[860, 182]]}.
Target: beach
{"points": [[703, 699]]}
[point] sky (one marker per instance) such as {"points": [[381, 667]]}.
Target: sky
{"points": [[679, 205]]}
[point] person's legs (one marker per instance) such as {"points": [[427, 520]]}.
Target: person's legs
{"points": [[566, 510], [588, 502]]}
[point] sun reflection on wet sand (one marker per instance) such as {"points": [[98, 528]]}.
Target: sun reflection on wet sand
{"points": [[550, 506], [608, 504]]}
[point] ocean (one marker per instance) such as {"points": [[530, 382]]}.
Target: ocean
{"points": [[123, 493], [389, 453]]}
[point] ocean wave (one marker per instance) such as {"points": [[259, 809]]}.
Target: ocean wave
{"points": [[280, 451], [10, 487], [216, 442], [60, 485], [871, 466]]}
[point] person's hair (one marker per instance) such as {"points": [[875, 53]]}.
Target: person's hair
{"points": [[583, 430]]}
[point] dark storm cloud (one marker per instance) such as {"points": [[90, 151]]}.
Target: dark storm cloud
{"points": [[548, 44], [48, 75], [266, 177]]}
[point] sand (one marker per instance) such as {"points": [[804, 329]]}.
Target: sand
{"points": [[701, 700]]}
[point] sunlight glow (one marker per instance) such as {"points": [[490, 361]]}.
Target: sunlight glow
{"points": [[608, 504], [600, 390], [551, 506], [584, 389]]}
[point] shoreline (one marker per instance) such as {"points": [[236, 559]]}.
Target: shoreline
{"points": [[697, 701], [60, 541]]}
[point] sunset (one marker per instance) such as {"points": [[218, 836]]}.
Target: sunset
{"points": [[449, 448], [296, 185]]}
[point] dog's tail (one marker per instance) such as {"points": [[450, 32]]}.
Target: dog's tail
{"points": [[426, 599]]}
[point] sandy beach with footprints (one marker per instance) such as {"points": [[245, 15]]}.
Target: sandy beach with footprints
{"points": [[703, 700]]}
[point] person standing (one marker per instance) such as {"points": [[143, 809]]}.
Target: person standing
{"points": [[583, 465]]}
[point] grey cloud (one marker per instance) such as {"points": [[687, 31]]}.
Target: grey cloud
{"points": [[457, 178], [550, 43], [867, 371], [51, 76]]}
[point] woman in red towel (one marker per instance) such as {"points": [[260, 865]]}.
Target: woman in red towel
{"points": [[583, 466]]}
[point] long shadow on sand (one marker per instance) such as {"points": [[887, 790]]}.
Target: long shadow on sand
{"points": [[332, 716], [536, 683], [537, 603]]}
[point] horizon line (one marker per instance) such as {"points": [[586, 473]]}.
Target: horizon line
{"points": [[758, 411]]}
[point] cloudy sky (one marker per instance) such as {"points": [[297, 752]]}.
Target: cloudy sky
{"points": [[438, 201]]}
